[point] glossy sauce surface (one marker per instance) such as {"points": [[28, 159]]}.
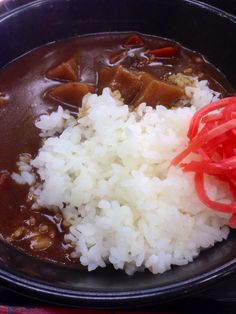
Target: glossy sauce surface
{"points": [[24, 95]]}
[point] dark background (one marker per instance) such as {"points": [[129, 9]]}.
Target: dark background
{"points": [[227, 5]]}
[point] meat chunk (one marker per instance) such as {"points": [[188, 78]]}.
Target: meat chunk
{"points": [[71, 93], [154, 91], [119, 78], [66, 71]]}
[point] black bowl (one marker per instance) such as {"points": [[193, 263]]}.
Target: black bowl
{"points": [[195, 25]]}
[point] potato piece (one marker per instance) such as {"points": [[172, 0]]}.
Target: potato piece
{"points": [[119, 78], [154, 91], [71, 93], [105, 76], [66, 71]]}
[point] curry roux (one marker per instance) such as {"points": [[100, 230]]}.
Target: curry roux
{"points": [[61, 73]]}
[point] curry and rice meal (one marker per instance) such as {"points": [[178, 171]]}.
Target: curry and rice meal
{"points": [[116, 149]]}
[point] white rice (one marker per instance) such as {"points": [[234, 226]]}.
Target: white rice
{"points": [[197, 92], [200, 94], [109, 173]]}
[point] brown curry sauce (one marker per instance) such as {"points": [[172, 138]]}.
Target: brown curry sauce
{"points": [[28, 88]]}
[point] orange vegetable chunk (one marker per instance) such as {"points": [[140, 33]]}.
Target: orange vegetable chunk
{"points": [[166, 52], [154, 91], [119, 78], [71, 93], [66, 71], [134, 41]]}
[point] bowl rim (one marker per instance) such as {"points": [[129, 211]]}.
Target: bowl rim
{"points": [[197, 3], [35, 288]]}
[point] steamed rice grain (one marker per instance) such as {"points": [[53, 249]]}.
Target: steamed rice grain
{"points": [[109, 173]]}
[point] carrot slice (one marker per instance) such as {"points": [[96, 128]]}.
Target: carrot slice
{"points": [[166, 52], [134, 41]]}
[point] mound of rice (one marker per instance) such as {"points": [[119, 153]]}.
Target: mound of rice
{"points": [[109, 173]]}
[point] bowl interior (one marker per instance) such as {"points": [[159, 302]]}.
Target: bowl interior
{"points": [[193, 25]]}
